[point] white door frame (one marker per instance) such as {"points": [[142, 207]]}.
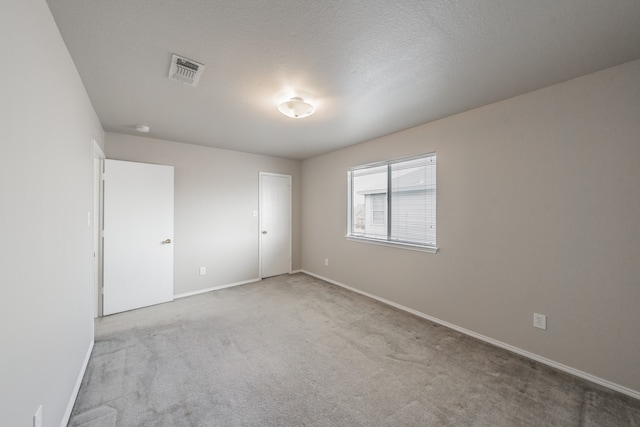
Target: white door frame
{"points": [[261, 174], [98, 168]]}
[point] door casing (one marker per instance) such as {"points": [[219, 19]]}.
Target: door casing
{"points": [[98, 162]]}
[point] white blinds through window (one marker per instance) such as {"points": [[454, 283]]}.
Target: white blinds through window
{"points": [[413, 201], [395, 201], [378, 208]]}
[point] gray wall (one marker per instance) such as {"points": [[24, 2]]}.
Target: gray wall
{"points": [[538, 211], [46, 280], [216, 192]]}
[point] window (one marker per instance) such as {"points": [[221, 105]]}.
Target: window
{"points": [[394, 202]]}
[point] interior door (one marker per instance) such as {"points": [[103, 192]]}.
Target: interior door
{"points": [[138, 234], [275, 224]]}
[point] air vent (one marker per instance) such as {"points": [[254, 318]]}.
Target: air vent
{"points": [[185, 71]]}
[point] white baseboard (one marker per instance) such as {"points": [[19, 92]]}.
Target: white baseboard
{"points": [[230, 285], [76, 388], [214, 288], [568, 369]]}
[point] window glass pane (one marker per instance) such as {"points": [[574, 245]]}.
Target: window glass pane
{"points": [[368, 202], [413, 201]]}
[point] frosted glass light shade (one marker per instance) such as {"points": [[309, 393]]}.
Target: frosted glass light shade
{"points": [[296, 108]]}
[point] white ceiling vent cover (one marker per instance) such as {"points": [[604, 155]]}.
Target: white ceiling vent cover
{"points": [[185, 70]]}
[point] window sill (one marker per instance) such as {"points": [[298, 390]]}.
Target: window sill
{"points": [[429, 249]]}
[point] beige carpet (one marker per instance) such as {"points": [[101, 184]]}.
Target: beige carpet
{"points": [[296, 351]]}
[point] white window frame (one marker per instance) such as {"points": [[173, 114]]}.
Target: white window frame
{"points": [[383, 242]]}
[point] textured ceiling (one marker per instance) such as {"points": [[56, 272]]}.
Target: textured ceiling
{"points": [[374, 67]]}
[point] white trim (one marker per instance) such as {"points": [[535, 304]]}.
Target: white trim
{"points": [[230, 285], [428, 249], [581, 374], [97, 155], [214, 288], [97, 150], [76, 388]]}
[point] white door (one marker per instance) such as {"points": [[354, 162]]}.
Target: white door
{"points": [[138, 234], [275, 224]]}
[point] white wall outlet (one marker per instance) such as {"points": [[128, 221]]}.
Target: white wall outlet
{"points": [[255, 214], [203, 271], [540, 321], [37, 417], [326, 261]]}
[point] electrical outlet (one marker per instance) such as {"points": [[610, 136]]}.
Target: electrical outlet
{"points": [[203, 271], [326, 261], [37, 417], [539, 321]]}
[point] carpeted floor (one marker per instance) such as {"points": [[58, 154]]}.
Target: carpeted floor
{"points": [[296, 351]]}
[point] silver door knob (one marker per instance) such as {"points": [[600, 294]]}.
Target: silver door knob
{"points": [[264, 231], [167, 241]]}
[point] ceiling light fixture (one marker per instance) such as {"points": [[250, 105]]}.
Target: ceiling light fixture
{"points": [[143, 128], [296, 108]]}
